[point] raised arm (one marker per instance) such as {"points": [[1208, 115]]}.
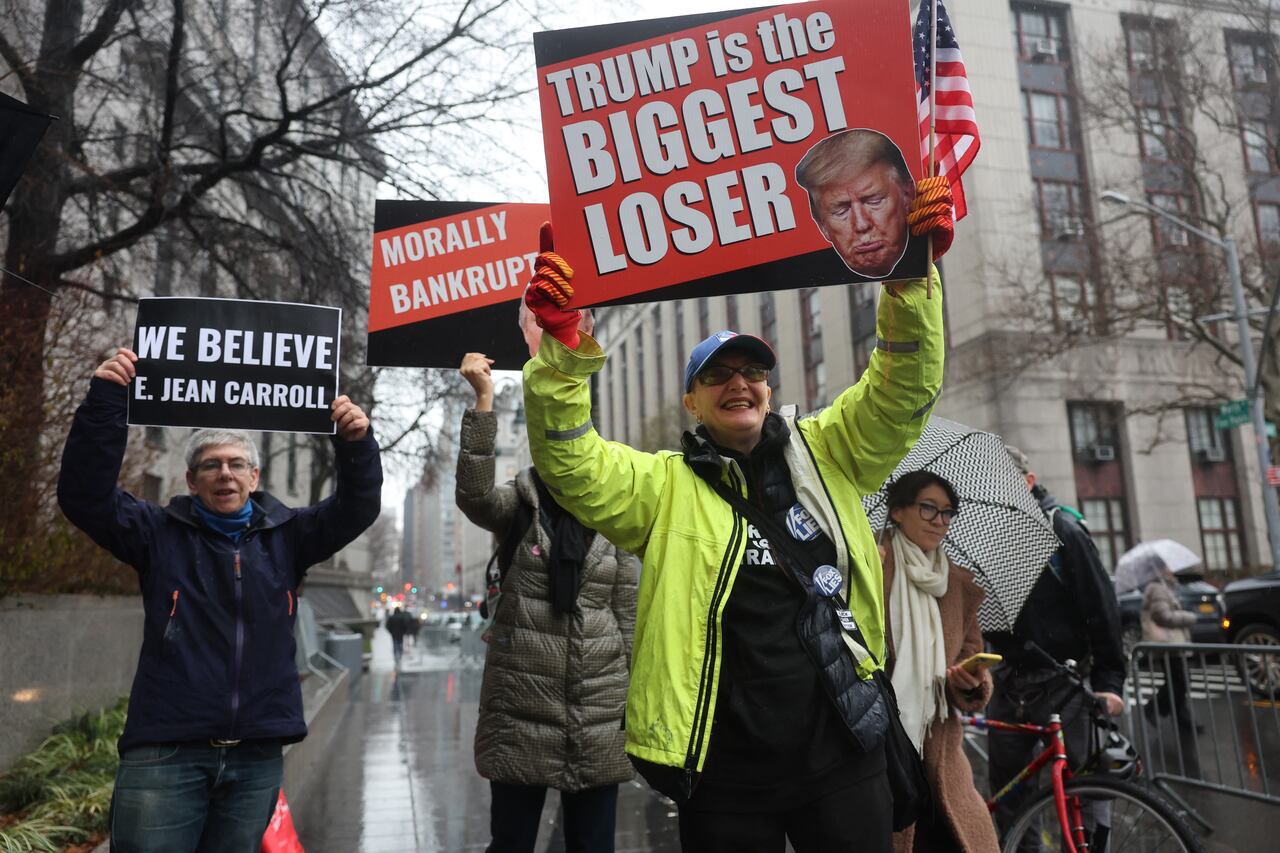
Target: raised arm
{"points": [[332, 524], [608, 486], [88, 493], [872, 425]]}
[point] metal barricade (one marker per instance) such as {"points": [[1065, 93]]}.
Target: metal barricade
{"points": [[1225, 734]]}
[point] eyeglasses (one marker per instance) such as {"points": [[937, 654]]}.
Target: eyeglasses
{"points": [[718, 374], [929, 512], [213, 467]]}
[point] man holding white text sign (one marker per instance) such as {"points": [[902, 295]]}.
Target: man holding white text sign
{"points": [[216, 694]]}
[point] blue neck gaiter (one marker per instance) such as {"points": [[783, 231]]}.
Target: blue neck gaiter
{"points": [[231, 526]]}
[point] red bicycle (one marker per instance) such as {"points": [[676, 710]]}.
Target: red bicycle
{"points": [[1098, 810]]}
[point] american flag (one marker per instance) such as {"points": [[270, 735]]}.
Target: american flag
{"points": [[956, 126]]}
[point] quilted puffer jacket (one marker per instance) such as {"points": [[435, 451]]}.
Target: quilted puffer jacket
{"points": [[555, 686]]}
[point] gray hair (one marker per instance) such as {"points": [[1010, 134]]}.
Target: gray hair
{"points": [[1019, 458], [205, 438]]}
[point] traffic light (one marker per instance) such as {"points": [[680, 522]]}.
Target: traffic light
{"points": [[407, 586], [414, 590], [379, 589]]}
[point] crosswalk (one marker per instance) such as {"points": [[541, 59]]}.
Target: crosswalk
{"points": [[1203, 682]]}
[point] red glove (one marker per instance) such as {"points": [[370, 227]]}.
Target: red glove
{"points": [[931, 213], [549, 290]]}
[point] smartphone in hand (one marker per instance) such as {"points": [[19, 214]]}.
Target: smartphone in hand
{"points": [[981, 660]]}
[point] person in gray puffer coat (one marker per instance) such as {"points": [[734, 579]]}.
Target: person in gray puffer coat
{"points": [[556, 669]]}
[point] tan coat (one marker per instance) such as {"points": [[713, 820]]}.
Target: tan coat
{"points": [[555, 686], [956, 799], [1163, 619]]}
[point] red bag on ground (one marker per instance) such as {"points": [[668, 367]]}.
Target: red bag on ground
{"points": [[280, 836]]}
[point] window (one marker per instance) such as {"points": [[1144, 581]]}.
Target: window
{"points": [[862, 322], [1269, 227], [1140, 43], [1048, 119], [1094, 430], [1038, 35], [1107, 527], [1072, 298], [1221, 538], [1157, 132], [1203, 437], [731, 312], [1061, 210], [815, 370], [1168, 234], [1151, 45], [1258, 154], [1250, 66], [769, 332]]}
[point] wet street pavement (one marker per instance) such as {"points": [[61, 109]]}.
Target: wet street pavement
{"points": [[400, 776]]}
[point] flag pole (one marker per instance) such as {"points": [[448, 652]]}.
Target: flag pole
{"points": [[933, 125]]}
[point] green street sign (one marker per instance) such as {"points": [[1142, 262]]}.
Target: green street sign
{"points": [[1232, 415]]}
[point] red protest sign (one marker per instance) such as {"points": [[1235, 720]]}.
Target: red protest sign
{"points": [[673, 146], [446, 279]]}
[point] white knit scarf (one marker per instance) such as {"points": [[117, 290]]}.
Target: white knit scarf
{"points": [[920, 661]]}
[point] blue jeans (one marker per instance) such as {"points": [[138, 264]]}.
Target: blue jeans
{"points": [[194, 797]]}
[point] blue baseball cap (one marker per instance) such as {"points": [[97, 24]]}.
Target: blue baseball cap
{"points": [[723, 340]]}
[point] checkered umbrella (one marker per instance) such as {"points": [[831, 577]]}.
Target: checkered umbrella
{"points": [[1001, 534]]}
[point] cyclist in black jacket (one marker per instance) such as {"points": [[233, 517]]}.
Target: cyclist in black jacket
{"points": [[1071, 614]]}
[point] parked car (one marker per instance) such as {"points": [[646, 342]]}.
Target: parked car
{"points": [[1253, 613], [1201, 598]]}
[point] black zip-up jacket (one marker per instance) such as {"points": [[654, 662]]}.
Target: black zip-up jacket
{"points": [[1084, 623], [217, 657]]}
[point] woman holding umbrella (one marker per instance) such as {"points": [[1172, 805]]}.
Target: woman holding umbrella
{"points": [[931, 627], [727, 712]]}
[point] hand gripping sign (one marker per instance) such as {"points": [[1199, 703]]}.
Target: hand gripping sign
{"points": [[733, 152], [235, 363]]}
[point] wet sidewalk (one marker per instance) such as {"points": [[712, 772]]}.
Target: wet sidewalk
{"points": [[400, 777]]}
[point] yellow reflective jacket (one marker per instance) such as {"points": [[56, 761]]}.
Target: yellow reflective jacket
{"points": [[655, 506]]}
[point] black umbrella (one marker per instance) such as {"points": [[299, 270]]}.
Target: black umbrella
{"points": [[1001, 534], [21, 129]]}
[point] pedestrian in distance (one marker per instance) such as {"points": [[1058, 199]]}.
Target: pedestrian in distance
{"points": [[1165, 621], [931, 621], [561, 601], [1070, 614], [397, 626], [216, 694], [727, 712]]}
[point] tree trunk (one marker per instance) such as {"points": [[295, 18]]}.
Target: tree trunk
{"points": [[35, 218]]}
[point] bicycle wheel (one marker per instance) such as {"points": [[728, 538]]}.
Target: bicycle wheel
{"points": [[1141, 821]]}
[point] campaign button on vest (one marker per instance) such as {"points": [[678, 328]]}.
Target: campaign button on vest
{"points": [[801, 525], [827, 579]]}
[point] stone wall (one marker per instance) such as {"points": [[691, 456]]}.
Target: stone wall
{"points": [[60, 655]]}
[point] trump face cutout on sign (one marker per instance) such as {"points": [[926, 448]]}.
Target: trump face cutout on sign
{"points": [[859, 193]]}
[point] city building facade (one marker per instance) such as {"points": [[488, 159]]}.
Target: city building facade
{"points": [[1074, 328]]}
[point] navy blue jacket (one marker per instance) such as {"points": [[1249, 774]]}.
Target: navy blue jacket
{"points": [[217, 656]]}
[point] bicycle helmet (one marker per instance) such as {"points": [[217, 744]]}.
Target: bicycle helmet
{"points": [[1115, 756]]}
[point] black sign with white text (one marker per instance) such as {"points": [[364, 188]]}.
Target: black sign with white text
{"points": [[236, 364]]}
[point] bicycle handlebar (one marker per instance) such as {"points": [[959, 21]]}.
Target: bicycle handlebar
{"points": [[1068, 669]]}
